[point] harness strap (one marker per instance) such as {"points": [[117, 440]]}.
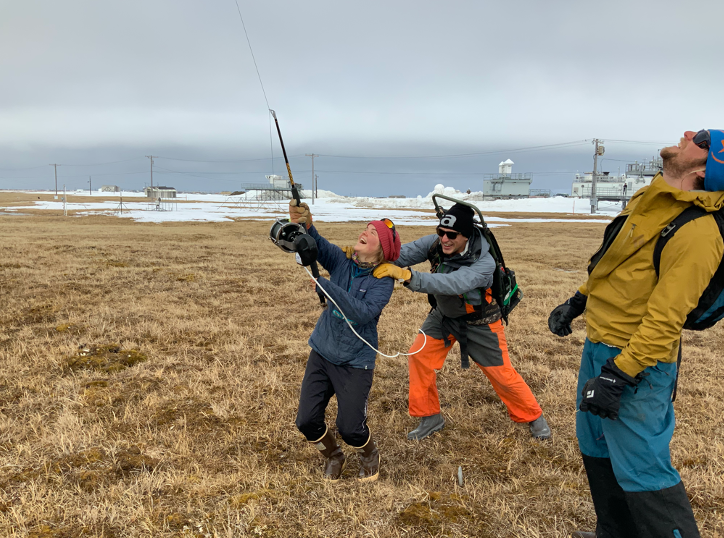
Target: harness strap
{"points": [[678, 367], [458, 328]]}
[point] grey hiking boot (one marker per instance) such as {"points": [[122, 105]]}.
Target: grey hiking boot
{"points": [[582, 534], [539, 429], [427, 426]]}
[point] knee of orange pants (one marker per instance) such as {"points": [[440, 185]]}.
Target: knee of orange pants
{"points": [[423, 397]]}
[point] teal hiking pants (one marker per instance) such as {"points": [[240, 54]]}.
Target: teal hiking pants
{"points": [[636, 490]]}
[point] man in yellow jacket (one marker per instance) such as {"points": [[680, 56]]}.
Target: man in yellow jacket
{"points": [[634, 319]]}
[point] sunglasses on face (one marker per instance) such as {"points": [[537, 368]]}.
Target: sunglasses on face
{"points": [[450, 235], [702, 139], [391, 226]]}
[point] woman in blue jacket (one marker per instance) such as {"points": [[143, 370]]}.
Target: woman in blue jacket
{"points": [[341, 363]]}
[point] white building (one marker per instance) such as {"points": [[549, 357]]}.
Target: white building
{"points": [[506, 184], [160, 192], [278, 182], [637, 175]]}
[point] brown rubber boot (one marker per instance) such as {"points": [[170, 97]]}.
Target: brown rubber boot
{"points": [[334, 457], [369, 461]]}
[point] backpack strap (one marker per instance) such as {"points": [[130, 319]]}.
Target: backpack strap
{"points": [[609, 235], [692, 212], [434, 256], [678, 369]]}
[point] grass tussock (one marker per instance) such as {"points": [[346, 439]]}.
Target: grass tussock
{"points": [[150, 378]]}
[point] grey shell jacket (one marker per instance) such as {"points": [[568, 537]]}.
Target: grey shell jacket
{"points": [[460, 275]]}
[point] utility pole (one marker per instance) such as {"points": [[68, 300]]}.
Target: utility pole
{"points": [[312, 155], [152, 157], [315, 185], [56, 179], [90, 186], [594, 177]]}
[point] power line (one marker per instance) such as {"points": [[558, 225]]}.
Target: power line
{"points": [[105, 164], [16, 169], [639, 142], [233, 161], [529, 148]]}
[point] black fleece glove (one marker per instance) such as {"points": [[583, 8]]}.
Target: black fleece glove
{"points": [[602, 394], [559, 322]]}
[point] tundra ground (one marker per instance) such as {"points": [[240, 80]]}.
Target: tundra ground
{"points": [[150, 378]]}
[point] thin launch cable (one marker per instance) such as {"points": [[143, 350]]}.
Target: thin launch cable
{"points": [[271, 140], [349, 324]]}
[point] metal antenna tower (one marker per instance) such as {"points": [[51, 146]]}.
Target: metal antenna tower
{"points": [[152, 157]]}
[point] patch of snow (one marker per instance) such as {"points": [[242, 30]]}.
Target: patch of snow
{"points": [[328, 207]]}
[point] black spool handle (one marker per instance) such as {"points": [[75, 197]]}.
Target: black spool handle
{"points": [[295, 195]]}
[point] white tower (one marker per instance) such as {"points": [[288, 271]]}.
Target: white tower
{"points": [[506, 168]]}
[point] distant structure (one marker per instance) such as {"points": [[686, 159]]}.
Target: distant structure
{"points": [[159, 192], [279, 182], [110, 188], [506, 184], [617, 188], [278, 188]]}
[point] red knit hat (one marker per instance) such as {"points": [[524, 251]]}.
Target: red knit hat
{"points": [[389, 239]]}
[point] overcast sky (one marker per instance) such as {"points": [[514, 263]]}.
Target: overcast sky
{"points": [[86, 82]]}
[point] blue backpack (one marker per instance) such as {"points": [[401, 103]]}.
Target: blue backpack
{"points": [[711, 303]]}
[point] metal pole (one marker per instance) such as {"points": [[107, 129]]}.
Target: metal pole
{"points": [[90, 186], [151, 157], [312, 155], [55, 166], [594, 178]]}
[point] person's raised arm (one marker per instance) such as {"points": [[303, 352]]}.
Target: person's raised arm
{"points": [[328, 254]]}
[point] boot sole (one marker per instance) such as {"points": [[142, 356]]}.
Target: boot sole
{"points": [[374, 476], [434, 430]]}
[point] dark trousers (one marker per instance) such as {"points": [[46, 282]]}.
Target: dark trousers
{"points": [[665, 513], [322, 380]]}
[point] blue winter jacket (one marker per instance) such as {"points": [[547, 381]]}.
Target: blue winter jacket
{"points": [[360, 296]]}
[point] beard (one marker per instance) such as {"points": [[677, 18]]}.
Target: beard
{"points": [[675, 166]]}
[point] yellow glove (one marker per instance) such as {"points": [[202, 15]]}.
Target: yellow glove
{"points": [[348, 251], [300, 213], [392, 271]]}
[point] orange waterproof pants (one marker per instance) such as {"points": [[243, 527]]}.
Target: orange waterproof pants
{"points": [[489, 350]]}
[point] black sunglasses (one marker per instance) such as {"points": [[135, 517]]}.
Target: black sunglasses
{"points": [[450, 235], [702, 139]]}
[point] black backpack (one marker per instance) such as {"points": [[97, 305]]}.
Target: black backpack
{"points": [[711, 303], [504, 288]]}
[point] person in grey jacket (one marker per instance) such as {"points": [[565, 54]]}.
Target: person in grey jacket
{"points": [[463, 311], [340, 363]]}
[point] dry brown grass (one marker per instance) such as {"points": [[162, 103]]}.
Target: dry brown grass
{"points": [[150, 377]]}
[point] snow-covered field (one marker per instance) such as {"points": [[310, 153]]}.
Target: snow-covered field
{"points": [[328, 207]]}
